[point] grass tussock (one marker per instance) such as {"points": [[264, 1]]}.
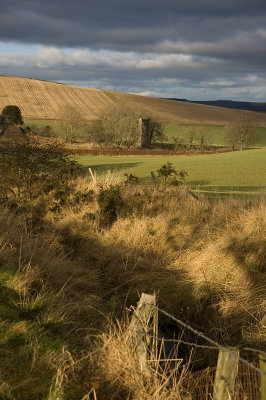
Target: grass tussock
{"points": [[66, 271], [123, 378]]}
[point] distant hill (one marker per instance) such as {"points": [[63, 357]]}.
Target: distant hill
{"points": [[43, 100], [237, 105]]}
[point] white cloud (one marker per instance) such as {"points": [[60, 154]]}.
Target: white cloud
{"points": [[50, 57], [180, 74], [166, 61], [149, 93], [47, 57], [218, 83]]}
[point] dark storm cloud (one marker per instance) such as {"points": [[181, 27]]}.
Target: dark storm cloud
{"points": [[121, 24], [176, 48]]}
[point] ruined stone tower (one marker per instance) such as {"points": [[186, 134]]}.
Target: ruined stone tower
{"points": [[144, 133]]}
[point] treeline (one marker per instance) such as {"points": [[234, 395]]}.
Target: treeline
{"points": [[79, 151], [119, 128]]}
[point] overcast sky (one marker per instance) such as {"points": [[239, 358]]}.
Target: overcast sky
{"points": [[194, 49]]}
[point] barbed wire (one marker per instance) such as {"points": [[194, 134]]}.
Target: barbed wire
{"points": [[253, 350], [202, 335], [176, 341], [160, 338]]}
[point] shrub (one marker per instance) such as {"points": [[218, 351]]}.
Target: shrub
{"points": [[44, 131], [12, 115], [68, 196], [110, 202], [131, 179], [169, 175], [28, 169]]}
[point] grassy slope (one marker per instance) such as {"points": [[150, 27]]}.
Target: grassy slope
{"points": [[242, 171], [42, 100]]}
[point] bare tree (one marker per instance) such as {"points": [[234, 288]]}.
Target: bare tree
{"points": [[70, 123], [203, 137], [156, 130], [189, 136], [242, 134], [119, 125]]}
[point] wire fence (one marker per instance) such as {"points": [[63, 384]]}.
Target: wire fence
{"points": [[215, 345], [200, 384]]}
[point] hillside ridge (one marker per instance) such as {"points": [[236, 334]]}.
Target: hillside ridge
{"points": [[39, 99], [239, 105]]}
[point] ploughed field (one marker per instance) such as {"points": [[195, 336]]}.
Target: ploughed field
{"points": [[44, 100], [224, 173]]}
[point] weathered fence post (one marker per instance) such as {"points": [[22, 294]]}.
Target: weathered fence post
{"points": [[93, 177], [262, 359], [193, 195], [225, 374], [139, 329], [153, 178]]}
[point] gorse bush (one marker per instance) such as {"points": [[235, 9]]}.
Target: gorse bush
{"points": [[131, 179], [110, 202], [68, 196]]}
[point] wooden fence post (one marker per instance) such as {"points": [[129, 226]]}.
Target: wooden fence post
{"points": [[225, 374], [262, 358], [93, 177], [193, 195], [139, 330], [153, 178]]}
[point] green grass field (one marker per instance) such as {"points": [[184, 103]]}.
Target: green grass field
{"points": [[39, 123], [236, 172], [214, 134]]}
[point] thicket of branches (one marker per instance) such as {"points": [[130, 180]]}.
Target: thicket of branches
{"points": [[242, 134], [119, 127]]}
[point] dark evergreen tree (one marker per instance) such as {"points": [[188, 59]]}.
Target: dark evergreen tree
{"points": [[12, 115]]}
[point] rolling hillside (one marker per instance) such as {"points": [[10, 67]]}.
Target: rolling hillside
{"points": [[42, 100]]}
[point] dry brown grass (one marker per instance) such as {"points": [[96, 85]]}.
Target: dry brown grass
{"points": [[122, 378], [69, 277], [44, 100], [198, 256]]}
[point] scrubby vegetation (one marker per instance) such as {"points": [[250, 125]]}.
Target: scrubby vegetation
{"points": [[72, 257], [29, 169]]}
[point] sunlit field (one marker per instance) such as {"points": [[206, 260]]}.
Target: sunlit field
{"points": [[242, 172]]}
